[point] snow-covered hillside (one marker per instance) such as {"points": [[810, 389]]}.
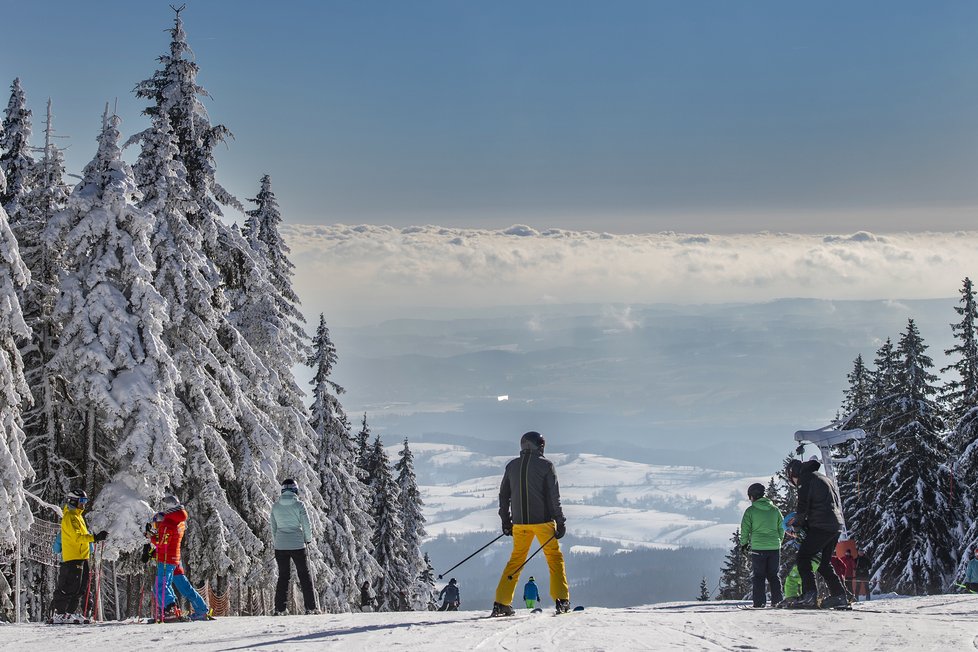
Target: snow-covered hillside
{"points": [[934, 623], [628, 503]]}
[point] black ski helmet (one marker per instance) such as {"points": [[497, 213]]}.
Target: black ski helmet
{"points": [[77, 497], [453, 581], [170, 503], [755, 491], [290, 485], [532, 441]]}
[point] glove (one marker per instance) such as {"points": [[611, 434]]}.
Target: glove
{"points": [[508, 528], [101, 536], [145, 556], [561, 529]]}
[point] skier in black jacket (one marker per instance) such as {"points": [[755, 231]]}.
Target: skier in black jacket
{"points": [[819, 514], [450, 596], [529, 506]]}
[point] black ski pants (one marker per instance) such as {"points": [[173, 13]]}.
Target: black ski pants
{"points": [[72, 582], [284, 560], [765, 564], [819, 543]]}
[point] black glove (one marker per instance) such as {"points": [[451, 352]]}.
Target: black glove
{"points": [[146, 550], [561, 529], [508, 528], [101, 536]]}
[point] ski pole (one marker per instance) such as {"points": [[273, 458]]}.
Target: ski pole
{"points": [[964, 587], [520, 567], [471, 556]]}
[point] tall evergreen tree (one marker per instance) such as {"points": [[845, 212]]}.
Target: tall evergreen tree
{"points": [[346, 541], [961, 393], [858, 396], [16, 157], [412, 516], [207, 393], [913, 546], [363, 450], [111, 350], [735, 576], [46, 423], [393, 584], [15, 468]]}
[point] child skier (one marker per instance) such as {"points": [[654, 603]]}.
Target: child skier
{"points": [[761, 531], [171, 524], [75, 550], [531, 594], [971, 576]]}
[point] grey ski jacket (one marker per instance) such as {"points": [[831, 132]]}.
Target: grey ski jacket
{"points": [[529, 493]]}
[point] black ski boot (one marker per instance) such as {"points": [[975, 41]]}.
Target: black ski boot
{"points": [[836, 602], [804, 601], [501, 610], [563, 606]]}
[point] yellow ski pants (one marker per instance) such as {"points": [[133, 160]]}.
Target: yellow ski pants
{"points": [[523, 536]]}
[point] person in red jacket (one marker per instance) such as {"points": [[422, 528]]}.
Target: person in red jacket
{"points": [[849, 570], [171, 523]]}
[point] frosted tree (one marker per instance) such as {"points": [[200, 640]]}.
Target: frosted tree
{"points": [[427, 580], [207, 392], [346, 542], [704, 591], [363, 449], [913, 541], [45, 423], [735, 576], [393, 584], [111, 351], [858, 396], [961, 393], [413, 521], [16, 157], [15, 468]]}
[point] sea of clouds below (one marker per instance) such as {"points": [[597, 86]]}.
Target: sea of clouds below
{"points": [[380, 272]]}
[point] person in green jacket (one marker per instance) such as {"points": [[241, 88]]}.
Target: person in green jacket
{"points": [[761, 532]]}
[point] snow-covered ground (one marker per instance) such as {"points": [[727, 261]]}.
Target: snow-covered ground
{"points": [[907, 624], [628, 503]]}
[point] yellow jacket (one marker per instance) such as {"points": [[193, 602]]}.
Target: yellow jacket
{"points": [[75, 538]]}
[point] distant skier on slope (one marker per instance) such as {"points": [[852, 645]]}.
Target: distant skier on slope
{"points": [[367, 600], [450, 596], [531, 594], [171, 523], [819, 514], [529, 506], [73, 574], [761, 532], [864, 568], [971, 575]]}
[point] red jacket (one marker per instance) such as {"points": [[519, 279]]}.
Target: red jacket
{"points": [[849, 564], [169, 536]]}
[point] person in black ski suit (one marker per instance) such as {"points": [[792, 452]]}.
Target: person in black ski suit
{"points": [[819, 514], [367, 601], [450, 596]]}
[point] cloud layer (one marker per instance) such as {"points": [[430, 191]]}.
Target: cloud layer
{"points": [[352, 272]]}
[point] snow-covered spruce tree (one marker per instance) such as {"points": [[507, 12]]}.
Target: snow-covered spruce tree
{"points": [[427, 579], [363, 450], [15, 468], [735, 576], [913, 542], [16, 156], [346, 542], [45, 424], [111, 351], [704, 591], [855, 412], [207, 394], [412, 516], [393, 584], [961, 397], [858, 396]]}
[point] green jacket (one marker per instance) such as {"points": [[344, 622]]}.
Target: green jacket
{"points": [[762, 526]]}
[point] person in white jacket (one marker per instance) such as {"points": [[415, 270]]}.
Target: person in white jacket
{"points": [[971, 575], [290, 535]]}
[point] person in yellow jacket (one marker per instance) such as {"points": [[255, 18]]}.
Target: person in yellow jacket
{"points": [[75, 549]]}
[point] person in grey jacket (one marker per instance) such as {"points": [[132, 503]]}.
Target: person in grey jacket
{"points": [[529, 507], [290, 535]]}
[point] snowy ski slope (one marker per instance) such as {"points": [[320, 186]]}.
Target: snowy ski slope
{"points": [[946, 623]]}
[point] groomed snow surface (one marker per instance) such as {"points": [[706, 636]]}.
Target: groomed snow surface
{"points": [[908, 624]]}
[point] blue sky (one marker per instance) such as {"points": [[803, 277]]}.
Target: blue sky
{"points": [[613, 116]]}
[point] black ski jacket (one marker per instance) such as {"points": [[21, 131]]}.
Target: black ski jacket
{"points": [[819, 506], [529, 493]]}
